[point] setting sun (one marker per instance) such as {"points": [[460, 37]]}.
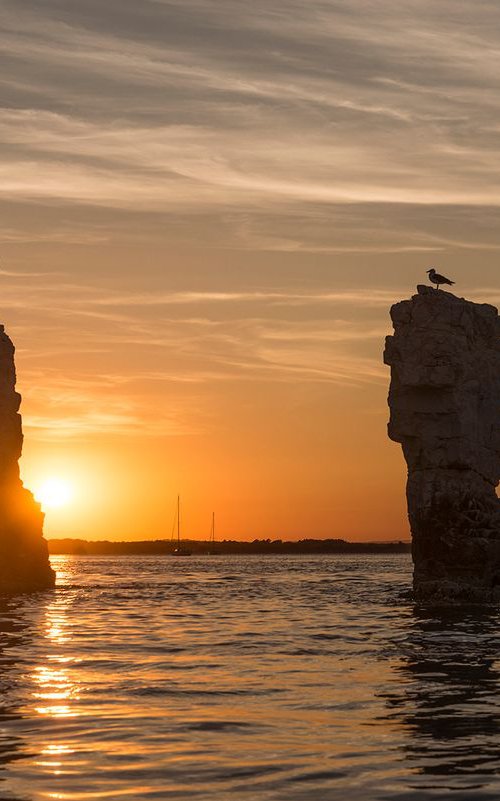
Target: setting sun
{"points": [[54, 492]]}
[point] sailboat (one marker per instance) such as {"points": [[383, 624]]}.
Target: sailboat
{"points": [[211, 549], [180, 550]]}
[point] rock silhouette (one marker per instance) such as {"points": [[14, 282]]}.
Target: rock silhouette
{"points": [[24, 561], [444, 401]]}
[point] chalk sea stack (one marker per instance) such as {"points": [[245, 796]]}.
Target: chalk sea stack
{"points": [[24, 560], [444, 401]]}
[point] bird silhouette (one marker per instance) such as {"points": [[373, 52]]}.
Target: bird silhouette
{"points": [[437, 279]]}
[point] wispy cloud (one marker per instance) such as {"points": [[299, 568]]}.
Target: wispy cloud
{"points": [[284, 146], [359, 297], [128, 166], [137, 348], [207, 106]]}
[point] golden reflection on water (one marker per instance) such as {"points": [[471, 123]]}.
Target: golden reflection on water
{"points": [[51, 756], [197, 683], [56, 687], [54, 682]]}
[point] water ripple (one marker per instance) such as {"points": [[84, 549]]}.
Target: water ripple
{"points": [[272, 679]]}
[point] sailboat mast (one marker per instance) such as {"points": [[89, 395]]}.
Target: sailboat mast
{"points": [[178, 520], [213, 526]]}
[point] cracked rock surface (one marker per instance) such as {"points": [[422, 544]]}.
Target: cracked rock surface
{"points": [[444, 401]]}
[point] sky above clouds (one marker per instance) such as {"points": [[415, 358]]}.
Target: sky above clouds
{"points": [[207, 209]]}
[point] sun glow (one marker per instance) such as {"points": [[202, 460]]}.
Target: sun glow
{"points": [[54, 492]]}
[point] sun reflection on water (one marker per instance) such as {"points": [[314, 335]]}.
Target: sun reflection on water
{"points": [[56, 620], [55, 682], [144, 678], [56, 688], [51, 756]]}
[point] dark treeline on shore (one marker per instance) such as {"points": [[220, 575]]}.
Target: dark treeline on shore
{"points": [[167, 547]]}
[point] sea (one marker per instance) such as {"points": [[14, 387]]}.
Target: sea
{"points": [[276, 678]]}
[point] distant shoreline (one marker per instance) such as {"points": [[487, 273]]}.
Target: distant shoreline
{"points": [[71, 546]]}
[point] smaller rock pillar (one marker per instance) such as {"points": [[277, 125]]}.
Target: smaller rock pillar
{"points": [[24, 559]]}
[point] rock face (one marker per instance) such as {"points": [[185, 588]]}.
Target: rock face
{"points": [[444, 404], [24, 560]]}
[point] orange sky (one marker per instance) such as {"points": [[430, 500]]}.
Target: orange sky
{"points": [[207, 212]]}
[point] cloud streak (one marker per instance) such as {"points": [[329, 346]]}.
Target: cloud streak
{"points": [[304, 106], [136, 349], [220, 187]]}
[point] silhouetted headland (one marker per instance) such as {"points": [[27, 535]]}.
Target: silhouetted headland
{"points": [[200, 547], [444, 404], [24, 561]]}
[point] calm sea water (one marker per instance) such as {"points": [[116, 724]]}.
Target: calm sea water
{"points": [[267, 679]]}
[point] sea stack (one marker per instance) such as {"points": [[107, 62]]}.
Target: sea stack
{"points": [[444, 401], [24, 559]]}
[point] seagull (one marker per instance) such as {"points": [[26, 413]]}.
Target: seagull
{"points": [[437, 279]]}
